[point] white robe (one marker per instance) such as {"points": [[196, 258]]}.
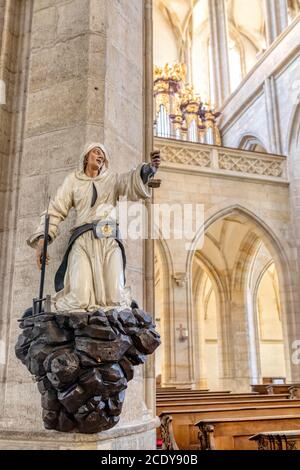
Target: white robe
{"points": [[94, 277]]}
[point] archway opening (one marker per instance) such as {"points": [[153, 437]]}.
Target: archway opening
{"points": [[252, 144], [269, 321], [238, 306], [159, 283], [205, 297]]}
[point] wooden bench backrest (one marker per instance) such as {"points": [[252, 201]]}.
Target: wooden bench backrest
{"points": [[234, 433], [183, 394], [203, 395], [222, 398], [192, 391], [273, 388], [294, 391], [186, 434], [277, 440], [199, 405]]}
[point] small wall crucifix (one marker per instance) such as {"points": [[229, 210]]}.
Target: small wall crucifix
{"points": [[183, 333]]}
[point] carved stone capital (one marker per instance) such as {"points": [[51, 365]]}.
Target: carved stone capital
{"points": [[180, 279]]}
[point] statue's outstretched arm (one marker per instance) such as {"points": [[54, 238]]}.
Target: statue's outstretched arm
{"points": [[134, 184]]}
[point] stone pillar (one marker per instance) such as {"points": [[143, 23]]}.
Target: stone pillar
{"points": [[183, 349], [235, 346], [219, 47], [272, 113], [199, 346], [85, 82], [15, 21], [276, 17], [2, 12], [149, 301], [201, 381], [179, 356], [198, 329], [290, 289]]}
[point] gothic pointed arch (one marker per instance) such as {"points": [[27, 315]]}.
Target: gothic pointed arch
{"points": [[164, 265], [259, 231], [293, 133], [252, 142], [267, 233]]}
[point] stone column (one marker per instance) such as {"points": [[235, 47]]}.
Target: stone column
{"points": [[276, 17], [272, 113], [85, 82], [198, 331], [219, 46], [180, 368], [149, 301], [290, 289], [15, 22], [183, 349], [235, 346], [201, 381]]}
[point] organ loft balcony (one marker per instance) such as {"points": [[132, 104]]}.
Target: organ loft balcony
{"points": [[192, 158]]}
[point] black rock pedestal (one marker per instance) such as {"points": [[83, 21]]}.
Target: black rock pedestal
{"points": [[82, 363]]}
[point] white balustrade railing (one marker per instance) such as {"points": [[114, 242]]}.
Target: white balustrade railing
{"points": [[221, 159]]}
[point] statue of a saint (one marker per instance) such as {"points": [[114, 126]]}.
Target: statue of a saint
{"points": [[91, 275]]}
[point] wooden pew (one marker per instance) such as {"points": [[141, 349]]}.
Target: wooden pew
{"points": [[272, 388], [167, 434], [203, 405], [201, 395], [294, 391], [234, 433], [189, 393], [260, 388], [277, 440], [188, 390], [218, 398], [172, 389], [221, 402], [274, 380], [186, 435], [180, 390], [278, 388]]}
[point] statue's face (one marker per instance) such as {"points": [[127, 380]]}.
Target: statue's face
{"points": [[96, 159]]}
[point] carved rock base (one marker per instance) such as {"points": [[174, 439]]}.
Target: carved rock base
{"points": [[82, 363]]}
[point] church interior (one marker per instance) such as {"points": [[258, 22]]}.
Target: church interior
{"points": [[224, 119], [214, 86]]}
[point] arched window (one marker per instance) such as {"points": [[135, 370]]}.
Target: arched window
{"points": [[293, 7], [211, 73], [246, 37], [251, 143], [200, 53], [235, 64]]}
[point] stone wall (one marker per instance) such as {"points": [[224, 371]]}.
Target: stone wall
{"points": [[85, 82], [16, 19], [267, 106], [250, 110], [259, 201], [2, 9]]}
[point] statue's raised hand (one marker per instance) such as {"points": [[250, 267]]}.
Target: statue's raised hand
{"points": [[155, 158]]}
